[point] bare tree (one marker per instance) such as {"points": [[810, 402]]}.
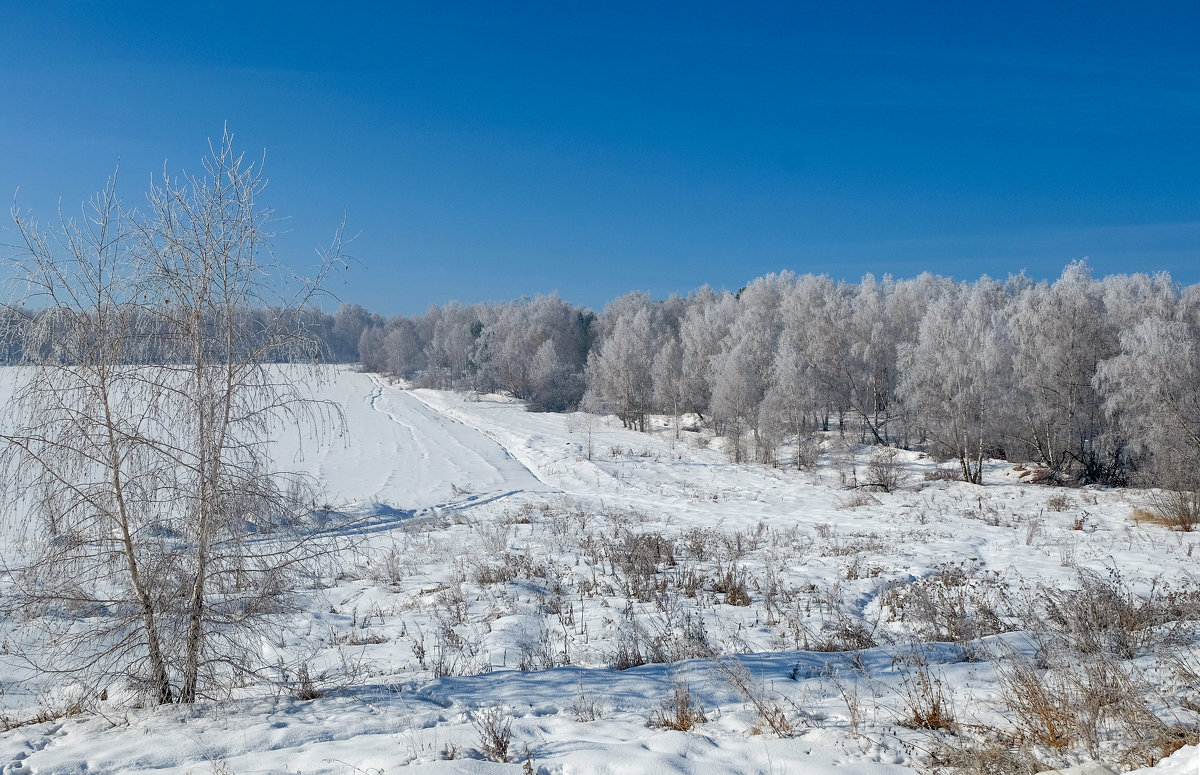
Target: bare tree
{"points": [[144, 423], [80, 459]]}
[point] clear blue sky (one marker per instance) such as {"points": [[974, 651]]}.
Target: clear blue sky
{"points": [[489, 150]]}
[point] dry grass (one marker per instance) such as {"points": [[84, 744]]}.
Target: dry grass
{"points": [[958, 603], [305, 687], [1041, 703], [1106, 615], [1039, 474], [41, 716], [990, 756], [1097, 707], [494, 726], [927, 701], [944, 474], [680, 712], [886, 471], [1173, 510], [359, 638], [771, 714], [857, 500], [1059, 502], [1142, 515], [731, 584]]}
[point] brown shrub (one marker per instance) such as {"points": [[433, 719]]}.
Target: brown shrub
{"points": [[927, 702], [680, 712], [1176, 510], [944, 474]]}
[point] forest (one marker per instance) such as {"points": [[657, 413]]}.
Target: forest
{"points": [[1093, 380]]}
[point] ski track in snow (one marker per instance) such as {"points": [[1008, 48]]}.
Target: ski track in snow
{"points": [[403, 458], [432, 449]]}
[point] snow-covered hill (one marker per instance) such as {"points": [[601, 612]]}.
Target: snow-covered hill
{"points": [[795, 622]]}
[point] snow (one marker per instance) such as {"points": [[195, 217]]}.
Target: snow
{"points": [[481, 558], [1185, 761], [399, 451]]}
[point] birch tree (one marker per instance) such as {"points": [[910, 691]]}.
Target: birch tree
{"points": [[144, 421], [950, 377], [1152, 388], [1059, 334], [667, 376], [703, 335], [620, 369], [79, 461], [743, 373]]}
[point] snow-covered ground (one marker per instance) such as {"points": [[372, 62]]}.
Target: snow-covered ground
{"points": [[798, 623]]}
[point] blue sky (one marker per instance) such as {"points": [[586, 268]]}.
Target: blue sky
{"points": [[484, 151]]}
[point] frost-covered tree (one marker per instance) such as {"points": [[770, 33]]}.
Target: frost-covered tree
{"points": [[790, 409], [403, 348], [161, 539], [520, 331], [798, 398], [667, 376], [488, 347], [1059, 334], [790, 355], [452, 356], [556, 385], [619, 371], [349, 322], [743, 373], [951, 376], [397, 346], [819, 313], [1152, 389], [703, 337], [735, 402], [1130, 299], [876, 327]]}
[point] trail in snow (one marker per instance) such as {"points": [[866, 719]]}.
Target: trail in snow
{"points": [[402, 458]]}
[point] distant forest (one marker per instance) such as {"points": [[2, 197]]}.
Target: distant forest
{"points": [[1094, 380], [335, 341]]}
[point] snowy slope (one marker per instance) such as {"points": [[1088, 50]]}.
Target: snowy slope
{"points": [[500, 545], [398, 451]]}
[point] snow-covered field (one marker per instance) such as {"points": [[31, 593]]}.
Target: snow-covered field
{"points": [[510, 561]]}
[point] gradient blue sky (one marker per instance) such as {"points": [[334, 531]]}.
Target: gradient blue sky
{"points": [[489, 150]]}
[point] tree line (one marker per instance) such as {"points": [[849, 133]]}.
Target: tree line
{"points": [[328, 334], [1096, 380]]}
